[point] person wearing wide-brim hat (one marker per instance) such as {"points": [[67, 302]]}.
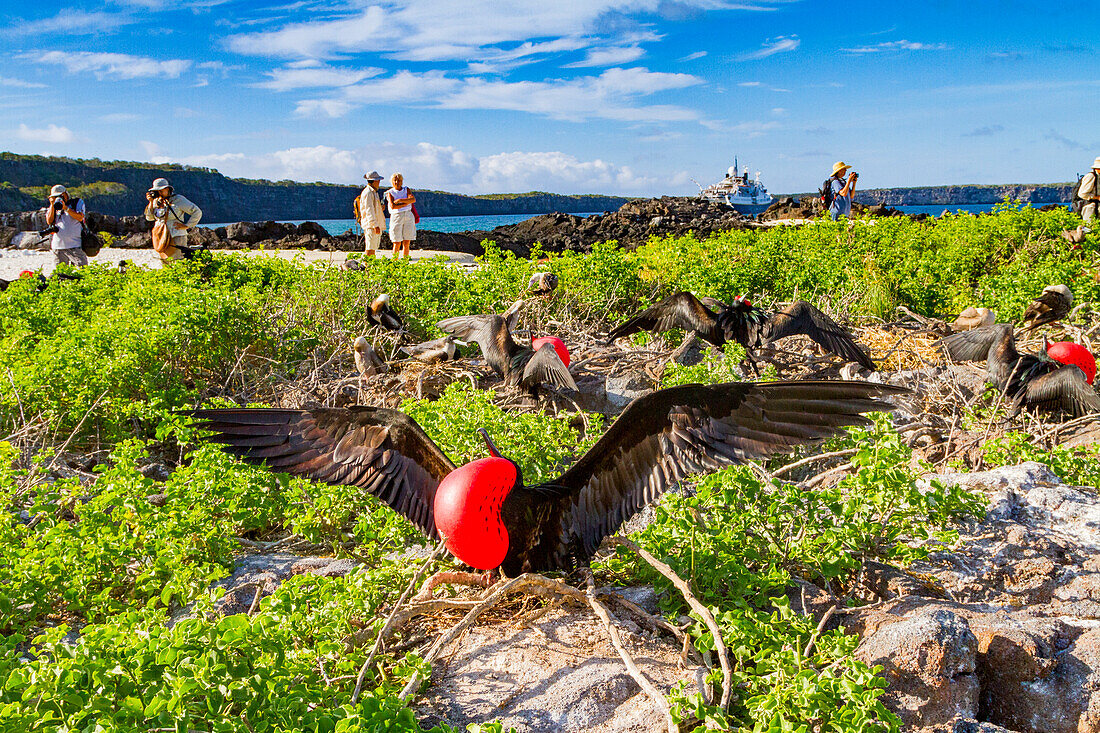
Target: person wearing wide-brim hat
{"points": [[173, 216], [372, 217], [1089, 190], [65, 216], [840, 203]]}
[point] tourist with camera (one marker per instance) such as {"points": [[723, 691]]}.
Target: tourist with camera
{"points": [[173, 215], [837, 192], [65, 219]]}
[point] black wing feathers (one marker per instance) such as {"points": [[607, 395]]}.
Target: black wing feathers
{"points": [[663, 437], [682, 310], [384, 452], [802, 318]]}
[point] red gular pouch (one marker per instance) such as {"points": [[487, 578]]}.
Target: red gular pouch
{"points": [[1068, 352], [557, 343], [467, 511]]}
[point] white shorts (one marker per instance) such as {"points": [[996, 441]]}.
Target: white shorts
{"points": [[402, 226], [372, 239]]}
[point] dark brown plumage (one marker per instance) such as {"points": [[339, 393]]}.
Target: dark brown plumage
{"points": [[518, 365], [1053, 305], [658, 441], [1030, 380], [437, 350], [749, 326], [542, 283]]}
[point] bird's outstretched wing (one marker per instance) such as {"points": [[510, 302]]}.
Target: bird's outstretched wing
{"points": [[425, 348], [384, 452], [975, 344], [802, 318], [546, 367], [681, 310], [1064, 388], [482, 330], [665, 436]]}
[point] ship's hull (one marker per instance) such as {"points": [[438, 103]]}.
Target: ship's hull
{"points": [[749, 208]]}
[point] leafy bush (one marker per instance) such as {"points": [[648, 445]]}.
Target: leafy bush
{"points": [[1078, 466]]}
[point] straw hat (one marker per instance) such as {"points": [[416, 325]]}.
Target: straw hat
{"points": [[840, 166], [160, 184], [59, 189], [1096, 163]]}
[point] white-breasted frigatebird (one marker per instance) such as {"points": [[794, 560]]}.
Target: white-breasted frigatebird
{"points": [[489, 517], [1030, 380], [744, 323]]}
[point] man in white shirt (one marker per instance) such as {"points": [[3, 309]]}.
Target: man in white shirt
{"points": [[371, 215], [1089, 190], [67, 216]]}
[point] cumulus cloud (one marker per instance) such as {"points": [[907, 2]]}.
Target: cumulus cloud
{"points": [[895, 46], [69, 22], [111, 65], [772, 46], [441, 167], [314, 76], [49, 134]]}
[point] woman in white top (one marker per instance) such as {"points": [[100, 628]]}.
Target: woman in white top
{"points": [[174, 213], [402, 224]]}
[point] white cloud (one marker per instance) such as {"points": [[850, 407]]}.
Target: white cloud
{"points": [[19, 83], [772, 46], [426, 165], [49, 134], [69, 22], [611, 56], [893, 46], [319, 76], [612, 94], [693, 56], [111, 65], [749, 84], [462, 30]]}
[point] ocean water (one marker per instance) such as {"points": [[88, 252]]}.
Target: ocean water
{"points": [[432, 223], [487, 222]]}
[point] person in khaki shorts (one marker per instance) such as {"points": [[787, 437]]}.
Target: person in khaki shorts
{"points": [[372, 217], [1090, 192], [402, 223], [65, 216]]}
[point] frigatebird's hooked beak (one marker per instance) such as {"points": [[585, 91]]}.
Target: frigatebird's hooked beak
{"points": [[489, 443]]}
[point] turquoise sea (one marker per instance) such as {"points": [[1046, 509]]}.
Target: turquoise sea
{"points": [[484, 223]]}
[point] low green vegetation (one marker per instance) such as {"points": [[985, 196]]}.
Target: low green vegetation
{"points": [[92, 570]]}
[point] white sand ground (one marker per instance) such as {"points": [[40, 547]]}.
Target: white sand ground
{"points": [[13, 261]]}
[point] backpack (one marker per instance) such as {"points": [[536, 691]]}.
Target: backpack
{"points": [[90, 242], [827, 192], [355, 208], [1076, 202]]}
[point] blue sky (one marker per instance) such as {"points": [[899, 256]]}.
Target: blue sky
{"points": [[615, 96]]}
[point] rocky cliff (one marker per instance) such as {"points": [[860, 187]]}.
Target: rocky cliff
{"points": [[1044, 193], [119, 189]]}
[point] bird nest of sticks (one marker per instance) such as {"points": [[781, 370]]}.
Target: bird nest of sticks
{"points": [[431, 623]]}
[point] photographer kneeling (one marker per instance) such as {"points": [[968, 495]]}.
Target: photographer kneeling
{"points": [[168, 210], [65, 218]]}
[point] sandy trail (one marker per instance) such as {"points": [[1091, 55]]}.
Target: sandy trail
{"points": [[13, 261]]}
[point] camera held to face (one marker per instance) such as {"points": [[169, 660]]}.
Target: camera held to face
{"points": [[58, 205]]}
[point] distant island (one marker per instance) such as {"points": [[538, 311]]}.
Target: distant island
{"points": [[118, 188], [958, 195]]}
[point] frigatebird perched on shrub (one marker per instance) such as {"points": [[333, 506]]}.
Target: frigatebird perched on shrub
{"points": [[434, 351], [489, 517], [517, 364], [542, 283], [381, 313], [1030, 380], [744, 323]]}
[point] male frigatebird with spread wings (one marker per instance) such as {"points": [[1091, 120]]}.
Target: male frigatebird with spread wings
{"points": [[519, 365], [489, 517], [744, 323], [1030, 380]]}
